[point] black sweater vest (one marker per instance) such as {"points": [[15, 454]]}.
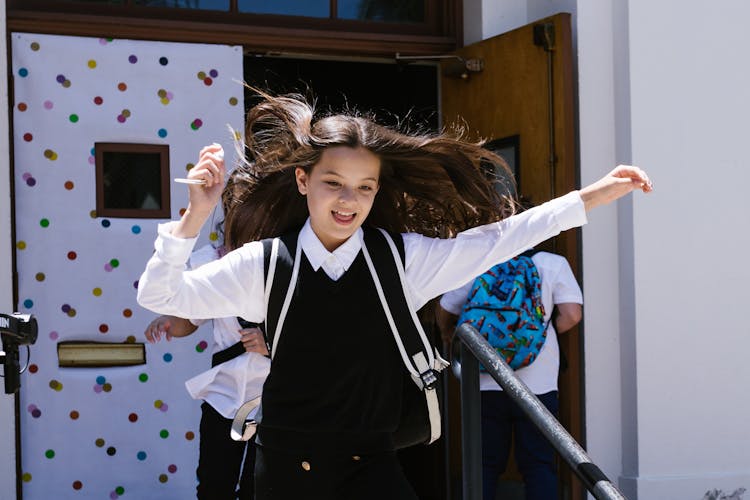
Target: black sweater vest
{"points": [[337, 377]]}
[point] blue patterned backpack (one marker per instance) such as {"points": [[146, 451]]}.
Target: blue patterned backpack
{"points": [[505, 306]]}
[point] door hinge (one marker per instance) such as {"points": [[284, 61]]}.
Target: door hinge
{"points": [[544, 36]]}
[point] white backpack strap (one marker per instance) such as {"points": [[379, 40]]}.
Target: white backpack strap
{"points": [[423, 364], [242, 428], [287, 298]]}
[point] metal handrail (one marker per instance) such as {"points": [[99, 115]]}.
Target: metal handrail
{"points": [[475, 349]]}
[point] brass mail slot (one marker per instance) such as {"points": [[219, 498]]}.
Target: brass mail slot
{"points": [[100, 354]]}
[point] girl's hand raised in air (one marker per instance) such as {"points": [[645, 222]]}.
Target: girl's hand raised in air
{"points": [[616, 184], [203, 197]]}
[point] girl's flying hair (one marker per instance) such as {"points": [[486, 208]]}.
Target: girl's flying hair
{"points": [[433, 184]]}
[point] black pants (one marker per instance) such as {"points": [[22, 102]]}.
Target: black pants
{"points": [[221, 459], [281, 475]]}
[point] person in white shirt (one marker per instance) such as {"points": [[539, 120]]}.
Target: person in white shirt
{"points": [[332, 398], [240, 365], [502, 419]]}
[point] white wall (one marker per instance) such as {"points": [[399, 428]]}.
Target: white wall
{"points": [[663, 85], [664, 82], [7, 419]]}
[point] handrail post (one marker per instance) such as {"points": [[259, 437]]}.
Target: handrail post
{"points": [[593, 478], [471, 426]]}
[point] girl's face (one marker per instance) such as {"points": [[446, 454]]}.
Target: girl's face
{"points": [[340, 191]]}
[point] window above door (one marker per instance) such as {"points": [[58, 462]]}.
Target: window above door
{"points": [[341, 27]]}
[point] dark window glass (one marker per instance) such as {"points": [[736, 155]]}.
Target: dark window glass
{"points": [[305, 8], [132, 180], [110, 2], [394, 11], [187, 4]]}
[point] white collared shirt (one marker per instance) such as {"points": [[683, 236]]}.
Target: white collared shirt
{"points": [[234, 284]]}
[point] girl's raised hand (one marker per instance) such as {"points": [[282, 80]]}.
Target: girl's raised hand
{"points": [[203, 197], [616, 184], [211, 170]]}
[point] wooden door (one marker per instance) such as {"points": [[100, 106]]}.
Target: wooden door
{"points": [[521, 101]]}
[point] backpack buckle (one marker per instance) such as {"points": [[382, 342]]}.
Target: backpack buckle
{"points": [[428, 379]]}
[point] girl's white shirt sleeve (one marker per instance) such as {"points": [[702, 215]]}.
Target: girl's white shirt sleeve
{"points": [[434, 266], [230, 286], [234, 284]]}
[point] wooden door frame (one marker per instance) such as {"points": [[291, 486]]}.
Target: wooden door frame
{"points": [[565, 178]]}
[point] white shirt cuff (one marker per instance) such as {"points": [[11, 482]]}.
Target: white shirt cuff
{"points": [[170, 248]]}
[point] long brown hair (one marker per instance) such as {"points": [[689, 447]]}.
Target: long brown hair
{"points": [[431, 184]]}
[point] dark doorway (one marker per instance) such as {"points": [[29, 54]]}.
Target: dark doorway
{"points": [[398, 95], [393, 93]]}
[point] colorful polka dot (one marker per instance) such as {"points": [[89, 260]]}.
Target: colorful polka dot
{"points": [[23, 72], [103, 328], [172, 468], [167, 357], [132, 59], [164, 433], [50, 155], [73, 118], [189, 435], [163, 478], [136, 229], [55, 385], [74, 415], [127, 313], [22, 106], [48, 105], [163, 61], [233, 101], [98, 100], [49, 453], [33, 368], [111, 451], [26, 477], [106, 223], [196, 124], [44, 222], [77, 485], [28, 137], [28, 303], [122, 86], [143, 377], [133, 417], [39, 276], [34, 46], [99, 442], [21, 245], [53, 335], [162, 132], [91, 64], [201, 346], [141, 455], [69, 185], [97, 292]]}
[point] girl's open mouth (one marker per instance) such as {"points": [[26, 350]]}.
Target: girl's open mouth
{"points": [[343, 217]]}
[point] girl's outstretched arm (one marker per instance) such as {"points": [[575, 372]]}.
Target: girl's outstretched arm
{"points": [[202, 198], [616, 184]]}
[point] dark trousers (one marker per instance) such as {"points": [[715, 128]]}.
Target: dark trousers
{"points": [[221, 460], [503, 419], [282, 475]]}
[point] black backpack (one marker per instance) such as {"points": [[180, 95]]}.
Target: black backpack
{"points": [[420, 421]]}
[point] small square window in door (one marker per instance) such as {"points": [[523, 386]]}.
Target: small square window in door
{"points": [[132, 180]]}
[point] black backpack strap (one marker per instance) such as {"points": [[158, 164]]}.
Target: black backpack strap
{"points": [[278, 281], [384, 254], [237, 349]]}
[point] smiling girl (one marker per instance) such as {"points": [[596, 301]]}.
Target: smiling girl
{"points": [[332, 399]]}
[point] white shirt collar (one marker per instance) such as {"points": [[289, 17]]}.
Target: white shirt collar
{"points": [[334, 263]]}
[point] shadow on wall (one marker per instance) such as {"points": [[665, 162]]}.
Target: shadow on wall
{"points": [[720, 495]]}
